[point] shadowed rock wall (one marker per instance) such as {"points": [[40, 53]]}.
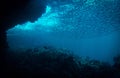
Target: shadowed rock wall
{"points": [[14, 12]]}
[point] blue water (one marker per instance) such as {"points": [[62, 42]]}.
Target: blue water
{"points": [[86, 27]]}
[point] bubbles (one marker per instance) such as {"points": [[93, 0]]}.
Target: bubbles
{"points": [[26, 26], [86, 28], [73, 18], [90, 2], [48, 9]]}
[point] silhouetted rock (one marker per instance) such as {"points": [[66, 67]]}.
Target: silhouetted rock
{"points": [[14, 12], [47, 62]]}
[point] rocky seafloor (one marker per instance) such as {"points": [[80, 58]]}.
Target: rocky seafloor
{"points": [[50, 62]]}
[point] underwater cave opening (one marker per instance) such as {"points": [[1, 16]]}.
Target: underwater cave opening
{"points": [[75, 28]]}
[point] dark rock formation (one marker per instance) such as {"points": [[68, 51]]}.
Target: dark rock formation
{"points": [[14, 12], [49, 62]]}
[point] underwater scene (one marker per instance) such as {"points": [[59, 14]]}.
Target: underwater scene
{"points": [[81, 35]]}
